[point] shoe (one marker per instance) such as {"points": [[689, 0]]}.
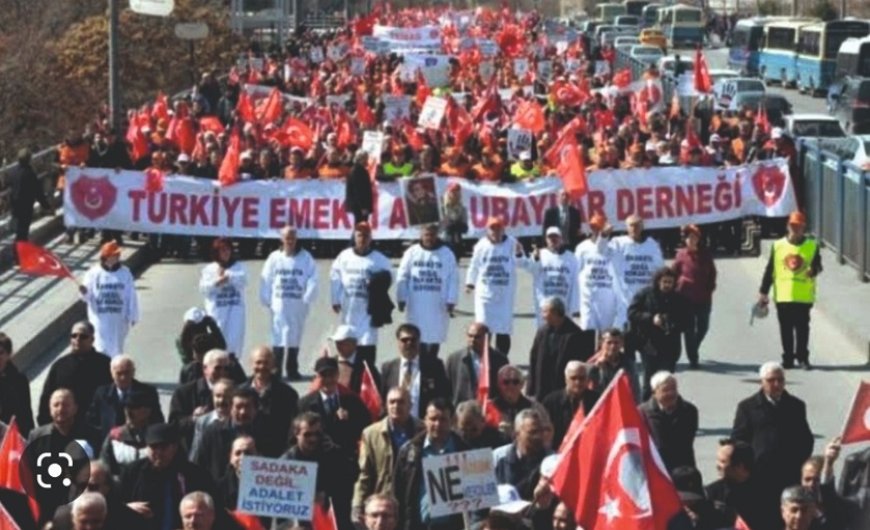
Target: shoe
{"points": [[694, 365], [295, 376], [788, 365], [805, 365]]}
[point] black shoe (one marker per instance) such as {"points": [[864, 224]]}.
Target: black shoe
{"points": [[294, 376], [694, 365], [805, 364], [788, 365]]}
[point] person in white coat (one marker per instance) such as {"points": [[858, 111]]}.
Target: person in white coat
{"points": [[110, 294], [554, 273], [492, 276], [349, 288], [288, 287], [428, 286], [602, 302], [222, 283]]}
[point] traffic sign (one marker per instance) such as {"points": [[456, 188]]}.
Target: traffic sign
{"points": [[157, 8], [191, 30]]}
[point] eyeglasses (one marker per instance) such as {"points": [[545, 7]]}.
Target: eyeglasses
{"points": [[79, 336], [511, 381], [407, 339]]}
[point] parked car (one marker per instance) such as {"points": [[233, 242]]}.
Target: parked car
{"points": [[646, 54], [849, 101], [777, 107], [668, 64], [654, 37], [813, 126], [717, 75], [624, 43], [627, 20], [725, 90], [610, 36]]}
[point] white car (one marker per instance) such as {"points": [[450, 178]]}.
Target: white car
{"points": [[725, 90], [813, 126], [624, 43], [646, 54], [627, 20], [668, 63], [717, 75], [862, 150]]}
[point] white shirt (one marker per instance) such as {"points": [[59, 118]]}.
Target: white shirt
{"points": [[113, 306], [492, 272], [414, 390], [427, 282], [636, 263], [349, 277]]}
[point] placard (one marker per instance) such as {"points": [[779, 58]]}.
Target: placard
{"points": [[602, 68], [519, 140], [396, 108], [421, 200], [521, 66], [316, 55], [432, 112], [276, 487], [486, 70], [357, 66], [337, 51], [460, 482], [435, 68], [373, 144], [545, 70]]}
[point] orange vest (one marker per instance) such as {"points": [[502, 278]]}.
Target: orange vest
{"points": [[328, 173]]}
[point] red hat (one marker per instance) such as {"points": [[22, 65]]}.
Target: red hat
{"points": [[494, 221], [797, 218], [110, 249], [597, 222]]}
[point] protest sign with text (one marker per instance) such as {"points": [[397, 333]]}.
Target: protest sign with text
{"points": [[275, 487], [460, 482]]}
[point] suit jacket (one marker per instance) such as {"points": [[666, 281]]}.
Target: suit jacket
{"points": [[213, 453], [562, 409], [779, 435], [460, 370], [546, 364], [674, 433], [278, 405], [107, 411], [15, 399], [185, 400], [336, 474], [433, 380], [855, 485], [552, 218], [377, 460], [344, 433], [82, 373]]}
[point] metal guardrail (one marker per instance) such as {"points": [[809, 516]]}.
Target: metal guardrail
{"points": [[836, 195], [45, 164]]}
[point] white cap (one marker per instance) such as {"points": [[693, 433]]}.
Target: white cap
{"points": [[509, 500], [194, 314], [247, 154], [776, 133], [553, 230], [715, 138], [525, 155], [343, 332], [183, 157]]}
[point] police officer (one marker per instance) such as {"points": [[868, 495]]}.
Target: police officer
{"points": [[792, 269]]}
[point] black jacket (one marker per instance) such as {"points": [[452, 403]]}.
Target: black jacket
{"points": [[743, 499], [345, 433], [562, 409], [82, 373], [433, 380], [489, 438], [277, 406], [674, 433], [521, 473], [460, 370], [855, 486], [15, 399], [547, 361], [17, 507], [185, 400], [380, 305], [213, 453], [106, 410], [119, 516], [652, 339], [356, 374], [26, 189], [358, 191], [552, 218], [336, 475], [114, 157], [123, 446]]}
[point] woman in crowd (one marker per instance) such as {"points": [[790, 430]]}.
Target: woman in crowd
{"points": [[696, 281]]}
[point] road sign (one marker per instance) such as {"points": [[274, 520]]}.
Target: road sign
{"points": [[157, 8], [191, 30]]}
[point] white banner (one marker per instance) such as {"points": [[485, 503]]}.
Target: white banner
{"points": [[275, 487], [664, 197], [396, 108], [421, 37], [460, 482], [432, 112], [435, 68]]}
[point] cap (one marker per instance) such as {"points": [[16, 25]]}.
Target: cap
{"points": [[110, 249], [343, 332], [509, 500], [553, 231], [183, 157], [776, 133], [194, 314], [494, 221], [797, 218], [326, 364], [525, 155], [715, 138], [597, 222], [161, 433], [136, 398]]}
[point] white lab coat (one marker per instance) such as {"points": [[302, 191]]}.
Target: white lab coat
{"points": [[493, 273], [636, 263], [288, 287], [553, 274], [602, 301], [348, 279], [427, 283], [113, 306], [226, 303]]}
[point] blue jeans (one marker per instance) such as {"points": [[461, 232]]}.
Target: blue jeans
{"points": [[699, 323]]}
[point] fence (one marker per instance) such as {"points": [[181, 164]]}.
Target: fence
{"points": [[45, 165]]}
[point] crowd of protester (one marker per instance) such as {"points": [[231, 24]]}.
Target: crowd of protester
{"points": [[155, 469]]}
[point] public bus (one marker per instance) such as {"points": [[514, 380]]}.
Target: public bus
{"points": [[747, 38], [682, 25], [649, 17], [635, 7], [817, 49], [853, 58], [608, 11], [777, 62]]}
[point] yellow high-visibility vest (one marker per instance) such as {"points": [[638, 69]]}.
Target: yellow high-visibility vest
{"points": [[791, 263]]}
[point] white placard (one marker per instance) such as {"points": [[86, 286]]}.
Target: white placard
{"points": [[316, 55], [486, 69], [521, 66], [519, 140], [358, 66], [373, 144], [338, 51], [396, 108], [435, 68], [545, 71], [460, 482], [432, 112], [338, 99], [602, 68], [275, 487]]}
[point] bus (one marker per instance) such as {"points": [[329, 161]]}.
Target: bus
{"points": [[817, 49], [608, 11], [649, 17], [745, 46], [853, 58], [682, 25], [635, 7], [777, 62]]}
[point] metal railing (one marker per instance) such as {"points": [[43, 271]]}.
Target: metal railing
{"points": [[45, 164]]}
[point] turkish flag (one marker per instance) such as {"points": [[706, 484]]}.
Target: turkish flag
{"points": [[415, 140], [211, 123], [368, 393], [621, 78], [364, 113], [323, 519], [228, 174], [300, 133], [567, 134], [423, 90], [611, 475], [568, 94], [6, 520], [572, 170], [489, 101], [858, 425], [346, 135], [182, 133], [160, 108], [272, 109], [459, 122], [761, 120], [136, 139], [703, 83], [10, 455], [483, 382], [247, 521], [38, 261], [530, 116], [245, 109]]}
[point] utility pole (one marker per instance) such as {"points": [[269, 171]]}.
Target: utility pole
{"points": [[794, 8], [842, 8], [115, 117]]}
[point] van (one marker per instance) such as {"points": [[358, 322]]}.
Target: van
{"points": [[849, 101]]}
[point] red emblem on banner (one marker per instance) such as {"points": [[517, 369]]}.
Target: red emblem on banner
{"points": [[93, 197], [769, 184]]}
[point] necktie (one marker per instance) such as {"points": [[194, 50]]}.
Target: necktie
{"points": [[406, 376]]}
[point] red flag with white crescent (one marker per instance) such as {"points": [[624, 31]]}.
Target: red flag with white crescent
{"points": [[857, 427], [368, 393], [11, 448], [38, 261]]}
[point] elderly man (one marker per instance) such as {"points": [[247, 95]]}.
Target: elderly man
{"points": [[82, 371], [854, 482], [602, 302], [381, 442], [119, 515], [126, 443], [423, 376], [471, 426], [775, 424], [107, 408], [65, 426], [463, 366], [381, 512], [288, 287], [408, 479], [509, 400], [14, 390], [222, 393], [197, 511], [192, 400], [350, 279], [794, 265], [228, 486], [427, 284], [154, 486], [89, 512], [521, 466], [554, 273], [336, 472], [609, 360], [737, 487], [351, 366], [673, 422], [562, 404], [492, 277], [277, 402], [556, 343], [798, 509]]}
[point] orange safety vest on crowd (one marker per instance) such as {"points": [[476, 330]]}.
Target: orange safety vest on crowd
{"points": [[329, 173], [449, 170], [487, 174], [291, 173], [71, 155]]}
